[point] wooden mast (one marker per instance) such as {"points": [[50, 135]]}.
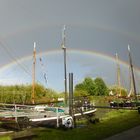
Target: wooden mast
{"points": [[132, 73], [131, 91], [118, 75], [33, 74]]}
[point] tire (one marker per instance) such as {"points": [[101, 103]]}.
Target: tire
{"points": [[68, 122]]}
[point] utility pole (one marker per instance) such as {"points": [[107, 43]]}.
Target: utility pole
{"points": [[33, 74], [65, 65], [132, 72]]}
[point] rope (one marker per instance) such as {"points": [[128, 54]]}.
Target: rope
{"points": [[12, 56], [43, 70]]}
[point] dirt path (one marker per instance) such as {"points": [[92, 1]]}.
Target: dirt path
{"points": [[131, 134]]}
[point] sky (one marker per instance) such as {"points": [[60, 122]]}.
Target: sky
{"points": [[95, 31]]}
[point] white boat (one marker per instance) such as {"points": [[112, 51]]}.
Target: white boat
{"points": [[22, 116]]}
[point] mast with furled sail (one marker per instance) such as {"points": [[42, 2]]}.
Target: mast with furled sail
{"points": [[118, 76], [132, 72]]}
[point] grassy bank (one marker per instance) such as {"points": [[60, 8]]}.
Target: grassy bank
{"points": [[113, 122]]}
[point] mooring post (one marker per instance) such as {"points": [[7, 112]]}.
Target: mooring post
{"points": [[71, 111], [71, 94], [57, 114]]}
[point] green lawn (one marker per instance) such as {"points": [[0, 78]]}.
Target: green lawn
{"points": [[113, 122], [5, 138]]}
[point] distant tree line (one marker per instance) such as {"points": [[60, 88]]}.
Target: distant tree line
{"points": [[88, 87], [22, 94]]}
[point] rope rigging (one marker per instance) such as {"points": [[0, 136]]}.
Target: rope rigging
{"points": [[137, 78], [15, 59], [43, 70], [12, 56]]}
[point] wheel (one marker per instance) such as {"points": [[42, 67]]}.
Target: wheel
{"points": [[68, 122]]}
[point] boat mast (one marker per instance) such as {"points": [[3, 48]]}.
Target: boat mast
{"points": [[33, 74], [132, 73], [131, 91], [65, 65], [118, 75]]}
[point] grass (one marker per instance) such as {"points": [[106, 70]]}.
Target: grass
{"points": [[114, 122], [111, 123], [5, 138]]}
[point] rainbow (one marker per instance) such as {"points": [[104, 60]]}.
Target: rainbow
{"points": [[70, 51], [44, 25]]}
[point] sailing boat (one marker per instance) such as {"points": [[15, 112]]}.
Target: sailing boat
{"points": [[62, 118], [21, 116], [136, 102], [35, 115], [132, 82]]}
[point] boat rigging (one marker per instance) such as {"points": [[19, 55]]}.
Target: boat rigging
{"points": [[132, 73]]}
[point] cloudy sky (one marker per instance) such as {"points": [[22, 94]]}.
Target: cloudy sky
{"points": [[95, 31]]}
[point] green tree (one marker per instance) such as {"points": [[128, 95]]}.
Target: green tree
{"points": [[81, 93], [80, 86], [89, 85], [100, 87], [86, 87]]}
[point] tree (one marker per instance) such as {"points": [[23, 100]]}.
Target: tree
{"points": [[89, 85], [86, 87], [100, 87], [80, 86], [81, 93]]}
